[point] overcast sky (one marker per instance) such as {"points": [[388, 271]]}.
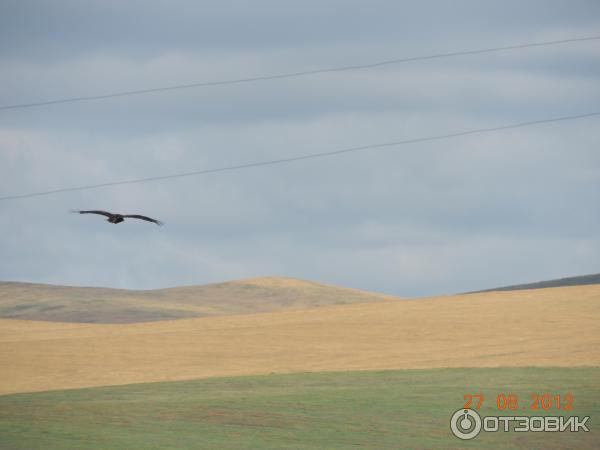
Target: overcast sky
{"points": [[430, 218]]}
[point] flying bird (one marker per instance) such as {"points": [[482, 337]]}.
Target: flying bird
{"points": [[118, 218]]}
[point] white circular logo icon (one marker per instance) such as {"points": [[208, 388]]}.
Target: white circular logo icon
{"points": [[465, 424]]}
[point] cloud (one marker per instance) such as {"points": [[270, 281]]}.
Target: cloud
{"points": [[437, 217]]}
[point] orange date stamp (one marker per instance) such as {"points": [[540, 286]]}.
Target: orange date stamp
{"points": [[511, 401]]}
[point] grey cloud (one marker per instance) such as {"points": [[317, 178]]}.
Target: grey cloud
{"points": [[140, 29], [429, 218]]}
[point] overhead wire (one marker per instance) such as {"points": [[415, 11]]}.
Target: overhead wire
{"points": [[304, 157], [84, 98]]}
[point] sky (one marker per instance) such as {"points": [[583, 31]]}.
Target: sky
{"points": [[429, 218]]}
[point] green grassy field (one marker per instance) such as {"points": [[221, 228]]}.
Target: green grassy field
{"points": [[379, 410]]}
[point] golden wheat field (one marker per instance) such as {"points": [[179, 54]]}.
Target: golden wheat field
{"points": [[545, 327]]}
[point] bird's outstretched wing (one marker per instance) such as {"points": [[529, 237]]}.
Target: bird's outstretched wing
{"points": [[149, 219], [95, 211]]}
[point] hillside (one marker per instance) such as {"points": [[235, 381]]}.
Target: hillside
{"points": [[104, 305], [543, 327], [582, 280], [382, 410]]}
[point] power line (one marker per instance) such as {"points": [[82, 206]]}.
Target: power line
{"points": [[304, 157], [292, 74]]}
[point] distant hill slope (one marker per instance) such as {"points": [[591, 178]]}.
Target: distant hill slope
{"points": [[555, 327], [104, 305], [559, 282]]}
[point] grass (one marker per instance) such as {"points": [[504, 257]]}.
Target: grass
{"points": [[29, 301], [379, 410], [581, 280]]}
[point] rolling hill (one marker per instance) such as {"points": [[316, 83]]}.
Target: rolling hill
{"points": [[334, 365], [544, 327], [104, 305], [582, 280]]}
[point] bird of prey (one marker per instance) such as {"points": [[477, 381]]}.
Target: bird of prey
{"points": [[118, 218]]}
